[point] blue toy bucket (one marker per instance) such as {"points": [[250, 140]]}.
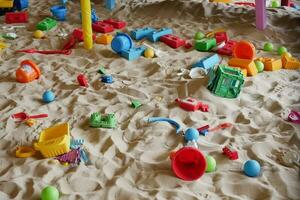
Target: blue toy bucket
{"points": [[121, 42], [59, 12]]}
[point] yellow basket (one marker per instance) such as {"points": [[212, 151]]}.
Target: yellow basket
{"points": [[54, 141], [6, 3]]}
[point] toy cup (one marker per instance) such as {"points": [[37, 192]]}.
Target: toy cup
{"points": [[188, 163], [121, 42], [28, 72], [59, 12]]}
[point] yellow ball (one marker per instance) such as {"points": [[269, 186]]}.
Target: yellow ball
{"points": [[38, 34], [287, 54], [149, 53]]}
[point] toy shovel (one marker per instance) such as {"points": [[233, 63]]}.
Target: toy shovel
{"points": [[22, 116]]}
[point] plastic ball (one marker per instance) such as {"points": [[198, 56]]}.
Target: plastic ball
{"points": [[275, 4], [149, 53], [252, 168], [268, 46], [48, 96], [50, 193], [259, 66], [199, 36], [211, 164], [281, 50], [191, 134], [38, 34]]}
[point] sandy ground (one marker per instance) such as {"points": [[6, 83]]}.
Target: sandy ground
{"points": [[132, 161]]}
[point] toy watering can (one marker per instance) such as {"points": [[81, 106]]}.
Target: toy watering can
{"points": [[188, 163]]}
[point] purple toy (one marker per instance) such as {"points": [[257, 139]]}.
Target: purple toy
{"points": [[260, 12]]}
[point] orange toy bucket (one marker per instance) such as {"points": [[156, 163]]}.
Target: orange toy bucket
{"points": [[27, 72], [244, 50]]}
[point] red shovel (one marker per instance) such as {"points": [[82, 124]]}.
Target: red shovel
{"points": [[22, 116]]}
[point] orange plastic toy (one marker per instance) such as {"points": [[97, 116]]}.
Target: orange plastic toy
{"points": [[289, 62], [271, 64], [27, 72], [244, 50], [247, 64]]}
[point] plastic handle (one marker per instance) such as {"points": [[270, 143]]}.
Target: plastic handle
{"points": [[38, 116]]}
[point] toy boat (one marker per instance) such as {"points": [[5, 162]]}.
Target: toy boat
{"points": [[54, 141]]}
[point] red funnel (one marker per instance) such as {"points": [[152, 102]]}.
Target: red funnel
{"points": [[188, 163]]}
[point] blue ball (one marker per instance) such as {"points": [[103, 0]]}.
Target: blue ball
{"points": [[48, 96], [191, 134], [252, 168]]}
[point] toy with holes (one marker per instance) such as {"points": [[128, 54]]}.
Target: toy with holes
{"points": [[225, 81], [190, 104], [27, 72], [98, 121], [172, 41], [271, 64], [231, 153], [54, 141]]}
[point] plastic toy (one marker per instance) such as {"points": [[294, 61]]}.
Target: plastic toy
{"points": [[260, 13], [243, 71], [281, 50], [230, 153], [94, 16], [275, 4], [2, 45], [188, 163], [205, 44], [163, 119], [135, 104], [294, 117], [270, 64], [211, 164], [208, 62], [102, 70], [221, 1], [104, 39], [38, 34], [289, 62], [110, 4], [203, 130], [133, 53], [190, 104], [199, 36], [46, 24], [149, 53], [48, 96], [78, 35], [76, 143], [117, 24], [268, 47], [54, 141], [86, 23], [221, 36], [107, 79], [30, 122], [11, 5], [59, 12], [141, 33], [82, 80], [18, 17], [251, 168], [225, 81], [71, 157], [155, 35], [227, 49], [172, 41], [244, 64], [188, 45], [6, 3], [191, 134], [259, 66], [244, 50], [46, 52], [27, 72], [24, 152], [22, 116], [102, 27], [121, 42], [50, 193], [245, 4], [98, 121]]}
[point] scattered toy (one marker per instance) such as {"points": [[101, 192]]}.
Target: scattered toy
{"points": [[205, 44], [98, 121], [227, 49], [22, 116], [288, 62], [16, 17], [281, 50], [244, 50], [271, 64], [50, 193], [46, 24], [102, 70], [9, 36], [156, 35], [46, 52], [190, 104], [141, 33], [149, 53], [25, 152], [82, 80], [27, 72], [208, 62], [191, 134], [107, 79], [30, 122], [294, 117], [104, 39], [38, 34], [203, 130], [199, 36], [211, 164], [230, 153], [48, 96], [268, 47], [172, 41], [163, 119], [259, 66], [135, 104], [252, 168], [59, 12]]}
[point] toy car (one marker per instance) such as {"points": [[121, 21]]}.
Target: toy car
{"points": [[190, 104], [98, 121], [46, 24]]}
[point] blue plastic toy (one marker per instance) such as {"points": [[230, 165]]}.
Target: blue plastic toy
{"points": [[21, 4], [163, 119], [208, 62], [252, 168], [155, 36], [110, 4], [95, 18], [191, 134], [141, 33], [121, 42], [133, 53], [107, 79], [59, 12], [48, 96]]}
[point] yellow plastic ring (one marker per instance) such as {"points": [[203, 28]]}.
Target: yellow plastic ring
{"points": [[24, 152]]}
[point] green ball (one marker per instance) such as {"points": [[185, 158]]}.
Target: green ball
{"points": [[281, 50], [268, 46], [199, 36], [50, 193], [211, 164], [259, 66], [275, 4]]}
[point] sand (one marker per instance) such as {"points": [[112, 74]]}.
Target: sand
{"points": [[132, 160]]}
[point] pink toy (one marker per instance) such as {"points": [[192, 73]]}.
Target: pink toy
{"points": [[230, 153], [260, 12], [190, 104], [294, 117]]}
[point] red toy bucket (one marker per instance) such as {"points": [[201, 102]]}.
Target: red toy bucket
{"points": [[188, 163]]}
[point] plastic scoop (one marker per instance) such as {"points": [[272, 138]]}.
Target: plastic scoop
{"points": [[65, 52], [22, 116]]}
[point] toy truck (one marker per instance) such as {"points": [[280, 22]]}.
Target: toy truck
{"points": [[12, 5]]}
